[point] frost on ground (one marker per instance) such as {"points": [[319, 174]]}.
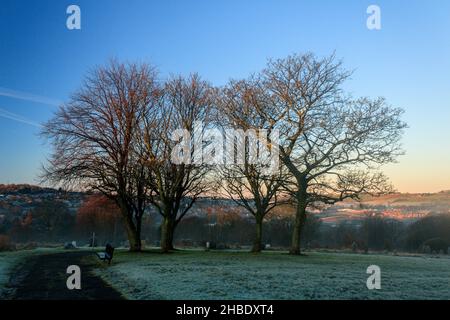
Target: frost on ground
{"points": [[9, 261], [275, 275]]}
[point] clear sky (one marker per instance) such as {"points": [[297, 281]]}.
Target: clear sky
{"points": [[407, 61]]}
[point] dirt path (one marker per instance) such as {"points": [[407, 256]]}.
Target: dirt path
{"points": [[44, 277]]}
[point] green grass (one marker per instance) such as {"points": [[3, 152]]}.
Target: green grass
{"points": [[274, 275]]}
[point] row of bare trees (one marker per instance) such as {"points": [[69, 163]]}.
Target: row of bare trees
{"points": [[116, 135]]}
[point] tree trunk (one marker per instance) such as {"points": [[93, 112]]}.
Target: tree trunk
{"points": [[300, 217], [134, 237], [167, 232], [133, 233], [257, 242]]}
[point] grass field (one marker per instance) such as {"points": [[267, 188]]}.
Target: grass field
{"points": [[7, 262], [275, 275], [10, 260]]}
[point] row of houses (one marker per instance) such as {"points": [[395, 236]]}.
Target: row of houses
{"points": [[16, 202]]}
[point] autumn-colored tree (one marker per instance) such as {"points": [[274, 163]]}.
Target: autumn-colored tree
{"points": [[21, 228], [100, 215]]}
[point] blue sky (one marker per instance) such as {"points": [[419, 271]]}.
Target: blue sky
{"points": [[407, 61]]}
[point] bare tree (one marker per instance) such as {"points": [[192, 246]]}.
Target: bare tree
{"points": [[175, 186], [332, 146], [95, 139], [247, 183]]}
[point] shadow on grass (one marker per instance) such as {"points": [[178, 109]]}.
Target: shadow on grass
{"points": [[211, 252]]}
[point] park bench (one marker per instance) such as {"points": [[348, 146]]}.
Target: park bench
{"points": [[107, 255]]}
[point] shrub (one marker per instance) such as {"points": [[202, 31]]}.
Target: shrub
{"points": [[5, 243], [436, 245], [428, 228]]}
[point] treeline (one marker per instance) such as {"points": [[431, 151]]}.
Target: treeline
{"points": [[98, 221], [6, 189], [374, 233]]}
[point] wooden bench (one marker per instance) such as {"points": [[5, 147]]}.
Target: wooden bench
{"points": [[107, 255]]}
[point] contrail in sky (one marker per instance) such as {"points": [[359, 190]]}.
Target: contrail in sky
{"points": [[5, 92], [13, 116]]}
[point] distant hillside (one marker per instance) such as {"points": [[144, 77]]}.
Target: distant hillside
{"points": [[412, 199], [401, 206], [16, 200], [23, 189], [19, 199]]}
